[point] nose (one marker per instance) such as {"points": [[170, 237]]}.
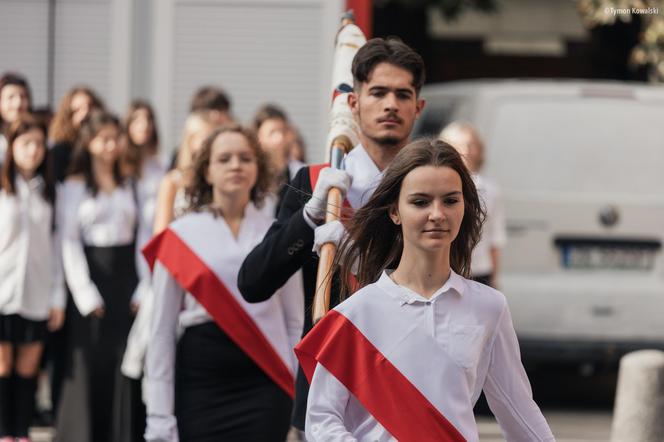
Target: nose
{"points": [[235, 162], [390, 102], [437, 212]]}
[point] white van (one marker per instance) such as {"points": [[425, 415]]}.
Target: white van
{"points": [[581, 168]]}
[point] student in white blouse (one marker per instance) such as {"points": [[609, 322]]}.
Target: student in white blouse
{"points": [[98, 215], [31, 285], [420, 341], [485, 264], [213, 383], [14, 100]]}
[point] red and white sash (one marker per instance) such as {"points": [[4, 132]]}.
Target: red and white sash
{"points": [[376, 365], [194, 270]]}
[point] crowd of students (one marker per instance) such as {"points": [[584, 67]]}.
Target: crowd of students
{"points": [[172, 298]]}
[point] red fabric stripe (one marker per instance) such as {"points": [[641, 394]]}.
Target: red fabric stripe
{"points": [[337, 344], [314, 171], [194, 276]]}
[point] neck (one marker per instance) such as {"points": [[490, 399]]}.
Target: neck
{"points": [[422, 272], [232, 206], [27, 175], [382, 155], [101, 169]]}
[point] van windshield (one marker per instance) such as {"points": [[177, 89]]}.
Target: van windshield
{"points": [[577, 145]]}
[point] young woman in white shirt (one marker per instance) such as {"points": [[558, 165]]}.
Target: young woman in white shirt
{"points": [[230, 376], [406, 357], [31, 286], [98, 214], [14, 100]]}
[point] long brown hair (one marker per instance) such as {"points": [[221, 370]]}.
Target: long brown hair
{"points": [[24, 124], [374, 243], [133, 157], [62, 128], [199, 192], [82, 158]]}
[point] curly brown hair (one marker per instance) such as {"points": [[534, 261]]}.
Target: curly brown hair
{"points": [[199, 191], [374, 243], [62, 129]]}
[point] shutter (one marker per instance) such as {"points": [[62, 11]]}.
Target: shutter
{"points": [[259, 52], [82, 46], [24, 48]]}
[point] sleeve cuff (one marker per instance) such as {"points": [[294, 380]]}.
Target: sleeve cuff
{"points": [[88, 301], [308, 220], [161, 397], [161, 428]]}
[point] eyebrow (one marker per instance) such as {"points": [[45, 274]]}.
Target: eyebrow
{"points": [[422, 194], [385, 88]]}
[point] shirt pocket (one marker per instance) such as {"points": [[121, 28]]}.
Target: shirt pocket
{"points": [[465, 344]]}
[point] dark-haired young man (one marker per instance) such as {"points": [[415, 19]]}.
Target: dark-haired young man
{"points": [[388, 76]]}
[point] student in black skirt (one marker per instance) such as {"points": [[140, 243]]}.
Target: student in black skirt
{"points": [[31, 289], [97, 211], [230, 376]]}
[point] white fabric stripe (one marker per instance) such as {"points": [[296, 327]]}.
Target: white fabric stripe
{"points": [[214, 244], [431, 373]]}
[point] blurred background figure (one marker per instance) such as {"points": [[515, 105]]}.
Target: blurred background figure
{"points": [[74, 107], [32, 296], [14, 100], [98, 213], [275, 136], [485, 263], [171, 200], [298, 148], [142, 163], [215, 101]]}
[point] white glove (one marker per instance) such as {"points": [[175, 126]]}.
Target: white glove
{"points": [[333, 232], [317, 205]]}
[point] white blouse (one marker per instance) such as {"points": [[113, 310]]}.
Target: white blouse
{"points": [[102, 220], [31, 278], [282, 315], [478, 349], [494, 231], [147, 188]]}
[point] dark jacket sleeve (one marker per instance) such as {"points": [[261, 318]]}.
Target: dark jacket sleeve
{"points": [[285, 248]]}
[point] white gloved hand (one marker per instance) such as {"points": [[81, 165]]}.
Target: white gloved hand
{"points": [[317, 205], [333, 232]]}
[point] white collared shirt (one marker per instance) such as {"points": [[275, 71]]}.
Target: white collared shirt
{"points": [[494, 232], [31, 279], [364, 174], [102, 220], [472, 326]]}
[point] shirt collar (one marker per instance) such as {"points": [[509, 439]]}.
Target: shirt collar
{"points": [[34, 184], [364, 173], [404, 295]]}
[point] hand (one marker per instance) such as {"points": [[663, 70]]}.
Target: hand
{"points": [[134, 306], [56, 318], [332, 232], [316, 207], [99, 312]]}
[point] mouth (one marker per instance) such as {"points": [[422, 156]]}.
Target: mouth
{"points": [[438, 231]]}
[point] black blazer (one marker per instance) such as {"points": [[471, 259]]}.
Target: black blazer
{"points": [[285, 249]]}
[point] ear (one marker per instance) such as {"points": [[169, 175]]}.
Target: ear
{"points": [[421, 102], [353, 103], [207, 175], [394, 214]]}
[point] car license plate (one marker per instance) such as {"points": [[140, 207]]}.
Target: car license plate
{"points": [[603, 257]]}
